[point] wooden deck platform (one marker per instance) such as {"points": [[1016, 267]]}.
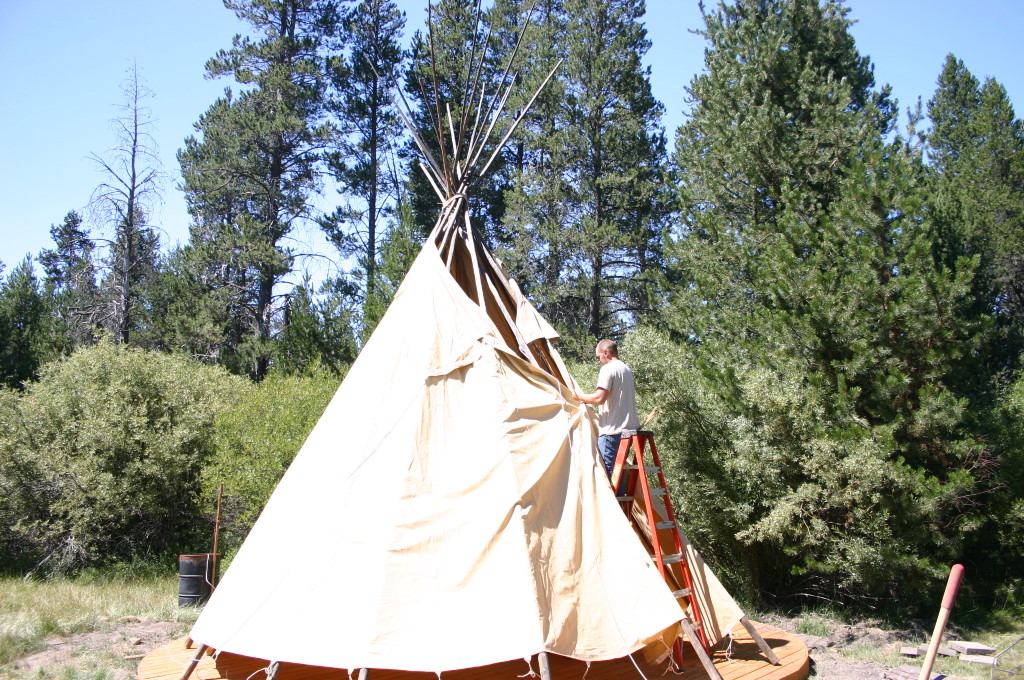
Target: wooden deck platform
{"points": [[745, 662]]}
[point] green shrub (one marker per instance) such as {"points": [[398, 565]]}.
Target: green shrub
{"points": [[101, 457], [255, 442]]}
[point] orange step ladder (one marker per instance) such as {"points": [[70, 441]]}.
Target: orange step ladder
{"points": [[631, 475]]}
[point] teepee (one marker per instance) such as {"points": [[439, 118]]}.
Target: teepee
{"points": [[448, 510]]}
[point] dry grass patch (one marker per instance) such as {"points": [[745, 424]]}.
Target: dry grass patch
{"points": [[86, 628]]}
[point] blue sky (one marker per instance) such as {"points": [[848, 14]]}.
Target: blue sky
{"points": [[65, 62]]}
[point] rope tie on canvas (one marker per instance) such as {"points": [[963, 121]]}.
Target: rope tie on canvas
{"points": [[530, 673], [268, 669], [197, 672]]}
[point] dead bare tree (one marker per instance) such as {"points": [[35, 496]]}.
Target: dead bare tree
{"points": [[124, 201]]}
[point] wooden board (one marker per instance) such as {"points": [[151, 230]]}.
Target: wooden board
{"points": [[743, 662]]}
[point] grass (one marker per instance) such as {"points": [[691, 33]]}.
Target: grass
{"points": [[817, 623], [31, 611]]}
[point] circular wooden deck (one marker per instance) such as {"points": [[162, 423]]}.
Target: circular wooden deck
{"points": [[743, 662]]}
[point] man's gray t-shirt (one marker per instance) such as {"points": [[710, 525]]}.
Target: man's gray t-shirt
{"points": [[618, 412]]}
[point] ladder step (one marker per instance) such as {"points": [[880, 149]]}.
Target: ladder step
{"points": [[673, 559], [654, 492], [666, 525], [685, 592]]}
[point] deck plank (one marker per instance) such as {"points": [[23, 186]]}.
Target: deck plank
{"points": [[745, 663]]}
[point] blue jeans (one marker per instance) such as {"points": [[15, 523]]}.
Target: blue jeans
{"points": [[608, 446]]}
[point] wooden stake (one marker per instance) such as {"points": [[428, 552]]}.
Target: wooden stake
{"points": [[948, 598], [216, 537], [194, 662]]}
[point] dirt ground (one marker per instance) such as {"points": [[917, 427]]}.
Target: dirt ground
{"points": [[830, 654], [117, 645]]}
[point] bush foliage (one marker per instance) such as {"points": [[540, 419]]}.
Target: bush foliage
{"points": [[255, 441], [100, 459]]}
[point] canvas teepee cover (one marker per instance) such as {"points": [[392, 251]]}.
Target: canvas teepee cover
{"points": [[448, 510]]}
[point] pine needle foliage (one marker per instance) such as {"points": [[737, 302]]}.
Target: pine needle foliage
{"points": [[818, 350]]}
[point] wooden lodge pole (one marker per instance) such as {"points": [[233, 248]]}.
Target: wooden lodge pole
{"points": [[545, 666]]}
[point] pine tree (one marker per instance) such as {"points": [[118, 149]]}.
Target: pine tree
{"points": [[821, 348], [71, 282], [977, 150], [591, 203], [366, 161], [250, 178], [316, 333], [395, 257], [26, 334], [130, 267], [230, 252], [195, 309]]}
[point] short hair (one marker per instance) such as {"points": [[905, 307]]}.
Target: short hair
{"points": [[609, 345]]}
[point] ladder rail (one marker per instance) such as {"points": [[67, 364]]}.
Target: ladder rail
{"points": [[670, 516], [625, 478]]}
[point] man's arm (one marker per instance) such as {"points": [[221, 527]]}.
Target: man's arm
{"points": [[595, 399]]}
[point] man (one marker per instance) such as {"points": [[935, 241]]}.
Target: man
{"points": [[615, 399]]}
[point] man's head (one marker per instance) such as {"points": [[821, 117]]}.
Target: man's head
{"points": [[606, 350]]}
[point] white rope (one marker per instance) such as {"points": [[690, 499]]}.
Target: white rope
{"points": [[173, 658], [261, 670]]}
